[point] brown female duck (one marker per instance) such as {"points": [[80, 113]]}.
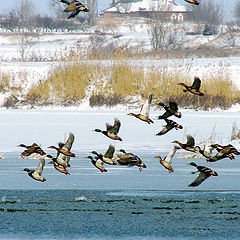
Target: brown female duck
{"points": [[195, 88], [144, 112]]}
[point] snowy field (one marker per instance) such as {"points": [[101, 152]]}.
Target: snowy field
{"points": [[48, 127]]}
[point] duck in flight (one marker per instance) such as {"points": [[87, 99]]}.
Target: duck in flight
{"points": [[170, 110], [111, 131], [194, 88], [167, 161], [75, 7], [36, 174], [204, 174], [144, 112], [34, 148], [107, 157], [169, 126], [98, 163]]}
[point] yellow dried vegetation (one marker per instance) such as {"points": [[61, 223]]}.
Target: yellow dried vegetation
{"points": [[123, 78]]}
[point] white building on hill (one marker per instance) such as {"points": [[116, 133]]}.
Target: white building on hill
{"points": [[170, 9]]}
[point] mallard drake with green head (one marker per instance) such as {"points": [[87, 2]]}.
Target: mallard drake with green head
{"points": [[36, 174], [167, 161], [75, 7], [204, 174], [108, 156], [144, 112], [98, 163], [170, 125], [111, 131], [192, 2], [170, 110], [189, 145], [34, 148], [194, 89]]}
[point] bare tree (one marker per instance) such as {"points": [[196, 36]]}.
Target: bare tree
{"points": [[26, 41], [236, 12], [208, 12], [57, 8]]}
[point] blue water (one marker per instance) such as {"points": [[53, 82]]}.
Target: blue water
{"points": [[119, 214]]}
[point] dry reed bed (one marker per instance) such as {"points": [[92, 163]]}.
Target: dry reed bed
{"points": [[110, 84]]}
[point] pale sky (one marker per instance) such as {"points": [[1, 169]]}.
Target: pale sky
{"points": [[41, 6]]}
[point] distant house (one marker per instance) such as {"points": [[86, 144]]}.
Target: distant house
{"points": [[169, 9]]}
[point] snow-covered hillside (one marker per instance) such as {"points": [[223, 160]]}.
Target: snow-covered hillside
{"points": [[44, 55]]}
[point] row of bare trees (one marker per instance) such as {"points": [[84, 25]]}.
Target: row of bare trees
{"points": [[23, 18]]}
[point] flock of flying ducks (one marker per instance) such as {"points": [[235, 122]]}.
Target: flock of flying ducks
{"points": [[75, 7], [61, 161]]}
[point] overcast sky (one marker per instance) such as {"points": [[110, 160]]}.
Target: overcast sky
{"points": [[42, 6]]}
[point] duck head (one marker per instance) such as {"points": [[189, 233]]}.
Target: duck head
{"points": [[94, 152], [26, 170], [53, 147], [90, 157], [131, 114], [122, 150], [97, 130], [158, 157], [192, 164]]}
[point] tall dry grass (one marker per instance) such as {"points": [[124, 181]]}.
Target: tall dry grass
{"points": [[113, 82]]}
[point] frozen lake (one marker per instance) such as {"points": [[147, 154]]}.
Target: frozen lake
{"points": [[48, 127]]}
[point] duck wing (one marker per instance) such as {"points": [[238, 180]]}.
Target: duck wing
{"points": [[73, 14], [109, 153], [196, 83], [190, 141], [115, 128], [199, 179], [146, 106], [71, 7], [67, 146], [165, 115], [173, 106], [40, 167], [170, 155], [166, 128], [64, 1]]}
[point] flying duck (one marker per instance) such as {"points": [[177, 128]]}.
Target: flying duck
{"points": [[65, 152], [192, 1], [129, 159], [34, 148], [98, 163], [223, 152], [108, 156], [204, 174], [170, 110], [170, 125], [189, 145], [167, 161], [144, 112], [111, 131], [36, 173], [75, 7], [61, 158], [206, 151], [60, 168], [194, 89]]}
